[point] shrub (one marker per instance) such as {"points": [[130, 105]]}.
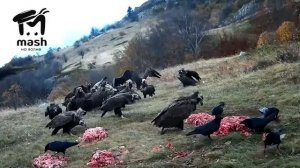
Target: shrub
{"points": [[266, 38], [58, 92], [13, 94], [287, 31]]}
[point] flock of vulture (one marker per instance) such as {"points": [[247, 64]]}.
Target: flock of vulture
{"points": [[115, 97]]}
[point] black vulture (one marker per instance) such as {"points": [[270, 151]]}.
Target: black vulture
{"points": [[128, 74], [102, 82], [257, 124], [89, 101], [151, 73], [10, 70], [82, 90], [186, 81], [118, 101], [190, 74], [268, 111], [79, 100], [126, 88], [208, 128], [174, 114], [147, 89], [53, 110], [188, 78], [66, 121], [59, 146], [218, 110], [272, 138]]}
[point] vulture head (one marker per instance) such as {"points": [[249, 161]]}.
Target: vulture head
{"points": [[80, 112], [222, 104], [200, 100], [82, 123], [135, 97]]}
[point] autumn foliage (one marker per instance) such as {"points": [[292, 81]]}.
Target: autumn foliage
{"points": [[266, 38], [287, 31], [13, 95]]}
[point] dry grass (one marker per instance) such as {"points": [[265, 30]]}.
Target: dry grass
{"points": [[236, 80]]}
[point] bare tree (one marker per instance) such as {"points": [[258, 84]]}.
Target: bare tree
{"points": [[13, 94], [191, 28]]}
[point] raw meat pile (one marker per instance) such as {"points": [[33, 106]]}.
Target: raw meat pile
{"points": [[103, 158], [199, 119], [181, 154], [94, 134], [49, 161], [228, 124]]}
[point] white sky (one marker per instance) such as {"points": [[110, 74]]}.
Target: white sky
{"points": [[66, 22]]}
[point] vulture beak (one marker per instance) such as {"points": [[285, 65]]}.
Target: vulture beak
{"points": [[81, 122]]}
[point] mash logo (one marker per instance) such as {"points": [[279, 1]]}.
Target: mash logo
{"points": [[27, 22]]}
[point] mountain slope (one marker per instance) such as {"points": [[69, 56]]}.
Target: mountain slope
{"points": [[245, 83]]}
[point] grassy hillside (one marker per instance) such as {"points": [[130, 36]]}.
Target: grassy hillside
{"points": [[260, 77], [101, 49]]}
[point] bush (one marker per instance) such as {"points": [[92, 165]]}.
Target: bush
{"points": [[14, 95], [287, 31], [58, 92], [266, 38]]}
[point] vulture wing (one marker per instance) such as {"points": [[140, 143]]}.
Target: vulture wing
{"points": [[61, 120], [186, 81], [121, 80], [193, 74], [151, 73], [136, 79], [178, 110], [47, 111]]}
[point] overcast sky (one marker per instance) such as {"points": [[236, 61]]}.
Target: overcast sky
{"points": [[66, 21]]}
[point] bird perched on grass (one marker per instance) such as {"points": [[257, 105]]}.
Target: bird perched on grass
{"points": [[208, 128], [53, 110], [188, 77], [117, 102], [59, 146], [272, 138], [268, 111], [258, 124], [147, 89], [218, 110], [66, 121], [175, 113]]}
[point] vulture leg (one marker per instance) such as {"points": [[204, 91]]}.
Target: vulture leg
{"points": [[54, 132], [162, 131], [103, 113], [145, 95], [118, 112], [180, 125], [67, 130], [209, 136], [278, 149], [265, 148]]}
